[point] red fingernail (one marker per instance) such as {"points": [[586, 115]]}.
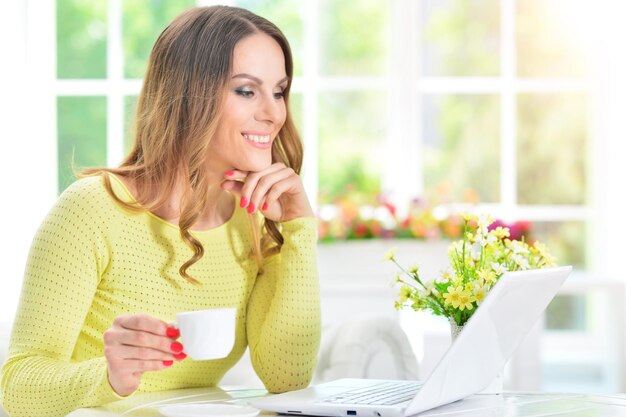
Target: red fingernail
{"points": [[172, 332], [180, 356], [229, 173], [251, 208], [243, 202], [176, 347], [168, 363], [264, 207]]}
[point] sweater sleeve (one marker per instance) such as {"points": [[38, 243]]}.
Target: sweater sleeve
{"points": [[66, 260], [283, 323]]}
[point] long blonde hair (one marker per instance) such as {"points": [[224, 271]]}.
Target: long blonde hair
{"points": [[177, 115]]}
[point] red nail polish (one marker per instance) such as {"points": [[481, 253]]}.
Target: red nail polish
{"points": [[172, 332], [229, 173], [251, 208], [168, 363], [264, 207], [243, 202], [176, 347], [180, 356]]}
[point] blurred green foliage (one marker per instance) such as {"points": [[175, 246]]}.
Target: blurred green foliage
{"points": [[462, 145], [81, 38], [351, 139], [461, 38], [142, 23], [81, 135], [354, 37], [566, 240], [551, 148]]}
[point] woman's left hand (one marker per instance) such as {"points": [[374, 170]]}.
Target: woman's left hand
{"points": [[276, 191]]}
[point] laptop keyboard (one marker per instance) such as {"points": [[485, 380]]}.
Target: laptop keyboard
{"points": [[386, 393]]}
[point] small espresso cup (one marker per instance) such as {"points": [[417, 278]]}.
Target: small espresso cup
{"points": [[207, 334]]}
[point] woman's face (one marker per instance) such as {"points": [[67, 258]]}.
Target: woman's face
{"points": [[254, 109]]}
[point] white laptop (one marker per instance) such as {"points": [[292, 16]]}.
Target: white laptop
{"points": [[478, 354]]}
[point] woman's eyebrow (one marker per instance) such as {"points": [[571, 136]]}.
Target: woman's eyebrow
{"points": [[258, 80]]}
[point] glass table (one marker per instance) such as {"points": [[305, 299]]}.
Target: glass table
{"points": [[513, 404]]}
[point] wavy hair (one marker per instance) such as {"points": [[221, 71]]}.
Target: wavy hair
{"points": [[177, 115]]}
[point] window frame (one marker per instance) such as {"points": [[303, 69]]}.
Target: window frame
{"points": [[605, 87]]}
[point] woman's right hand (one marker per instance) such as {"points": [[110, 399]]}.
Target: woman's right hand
{"points": [[135, 344]]}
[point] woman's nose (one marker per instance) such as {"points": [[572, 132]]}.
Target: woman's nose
{"points": [[271, 109]]}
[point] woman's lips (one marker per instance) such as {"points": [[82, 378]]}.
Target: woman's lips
{"points": [[258, 141]]}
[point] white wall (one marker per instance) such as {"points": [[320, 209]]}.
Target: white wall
{"points": [[28, 155]]}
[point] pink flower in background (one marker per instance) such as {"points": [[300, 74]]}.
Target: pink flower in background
{"points": [[517, 229]]}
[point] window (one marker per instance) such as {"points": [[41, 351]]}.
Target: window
{"points": [[400, 97]]}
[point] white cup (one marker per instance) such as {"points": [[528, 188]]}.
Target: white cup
{"points": [[207, 334]]}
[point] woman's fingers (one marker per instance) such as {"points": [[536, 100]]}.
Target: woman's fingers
{"points": [[277, 191], [136, 344], [233, 186], [265, 184], [279, 188], [144, 353], [252, 186], [147, 340], [141, 322], [132, 368]]}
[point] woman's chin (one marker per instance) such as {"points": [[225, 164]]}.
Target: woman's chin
{"points": [[253, 166]]}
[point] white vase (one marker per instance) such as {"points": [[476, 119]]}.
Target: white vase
{"points": [[496, 386]]}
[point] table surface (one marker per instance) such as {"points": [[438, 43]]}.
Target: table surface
{"points": [[513, 404]]}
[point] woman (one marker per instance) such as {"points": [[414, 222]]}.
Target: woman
{"points": [[207, 210]]}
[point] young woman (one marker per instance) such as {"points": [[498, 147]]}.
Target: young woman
{"points": [[207, 210]]}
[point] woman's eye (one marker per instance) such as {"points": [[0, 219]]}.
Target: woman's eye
{"points": [[244, 93], [279, 95]]}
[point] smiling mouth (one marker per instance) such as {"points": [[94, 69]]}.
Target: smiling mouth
{"points": [[257, 138]]}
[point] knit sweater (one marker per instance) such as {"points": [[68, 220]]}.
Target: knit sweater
{"points": [[92, 260]]}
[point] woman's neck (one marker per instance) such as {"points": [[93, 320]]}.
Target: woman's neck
{"points": [[220, 205]]}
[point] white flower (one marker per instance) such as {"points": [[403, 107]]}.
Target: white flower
{"points": [[521, 261], [487, 239], [446, 276], [483, 224], [455, 247], [480, 292], [499, 269], [517, 246]]}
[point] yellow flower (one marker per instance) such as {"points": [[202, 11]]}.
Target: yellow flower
{"points": [[389, 255], [480, 292], [541, 248], [467, 216], [487, 275], [453, 296], [405, 294], [465, 301], [501, 232]]}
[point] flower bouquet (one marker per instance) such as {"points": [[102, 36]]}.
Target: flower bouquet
{"points": [[477, 261]]}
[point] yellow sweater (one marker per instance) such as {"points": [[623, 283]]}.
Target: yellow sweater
{"points": [[92, 260]]}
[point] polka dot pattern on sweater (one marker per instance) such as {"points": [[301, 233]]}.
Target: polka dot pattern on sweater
{"points": [[92, 260]]}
